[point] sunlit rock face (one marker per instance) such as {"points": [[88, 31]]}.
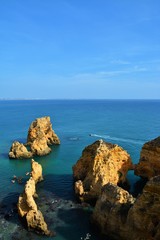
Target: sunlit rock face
{"points": [[100, 163], [27, 207], [19, 151], [118, 215], [36, 172], [41, 135], [149, 164], [111, 210]]}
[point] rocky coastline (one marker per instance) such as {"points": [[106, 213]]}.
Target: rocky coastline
{"points": [[117, 214], [100, 179]]}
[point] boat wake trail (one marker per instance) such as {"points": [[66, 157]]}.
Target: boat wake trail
{"points": [[127, 140]]}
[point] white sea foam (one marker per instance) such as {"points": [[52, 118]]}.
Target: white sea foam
{"points": [[128, 140], [74, 138]]}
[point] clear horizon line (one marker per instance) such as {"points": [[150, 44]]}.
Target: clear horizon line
{"points": [[37, 99]]}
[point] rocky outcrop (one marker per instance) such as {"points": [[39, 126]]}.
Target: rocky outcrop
{"points": [[144, 217], [36, 172], [40, 137], [26, 200], [110, 213], [99, 164], [39, 147], [27, 207], [119, 216], [149, 164], [18, 150]]}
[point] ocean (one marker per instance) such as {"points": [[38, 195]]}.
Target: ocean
{"points": [[78, 123]]}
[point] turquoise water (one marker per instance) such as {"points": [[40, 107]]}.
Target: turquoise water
{"points": [[78, 123]]}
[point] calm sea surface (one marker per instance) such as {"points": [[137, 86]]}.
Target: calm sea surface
{"points": [[78, 123]]}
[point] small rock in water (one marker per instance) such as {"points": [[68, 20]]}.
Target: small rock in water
{"points": [[87, 237]]}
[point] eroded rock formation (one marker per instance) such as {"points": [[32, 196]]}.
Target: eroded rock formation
{"points": [[40, 137], [119, 216], [111, 209], [26, 200], [36, 172], [144, 217], [149, 164], [27, 207], [99, 164], [18, 150]]}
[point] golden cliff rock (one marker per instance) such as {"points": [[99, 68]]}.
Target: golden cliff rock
{"points": [[99, 164], [40, 137], [119, 216], [149, 164], [27, 207], [18, 150], [111, 209]]}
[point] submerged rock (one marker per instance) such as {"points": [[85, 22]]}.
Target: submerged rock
{"points": [[100, 163], [40, 137], [27, 207], [18, 150], [149, 164], [119, 216]]}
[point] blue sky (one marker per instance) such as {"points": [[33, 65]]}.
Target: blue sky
{"points": [[80, 49]]}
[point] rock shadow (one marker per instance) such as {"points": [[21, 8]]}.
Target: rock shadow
{"points": [[62, 213], [8, 208], [76, 224], [59, 185], [138, 186]]}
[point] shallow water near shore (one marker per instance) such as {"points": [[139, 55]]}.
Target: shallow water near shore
{"points": [[78, 123]]}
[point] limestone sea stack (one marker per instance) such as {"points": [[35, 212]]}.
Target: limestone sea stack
{"points": [[27, 207], [149, 164], [40, 137], [119, 216], [100, 163]]}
